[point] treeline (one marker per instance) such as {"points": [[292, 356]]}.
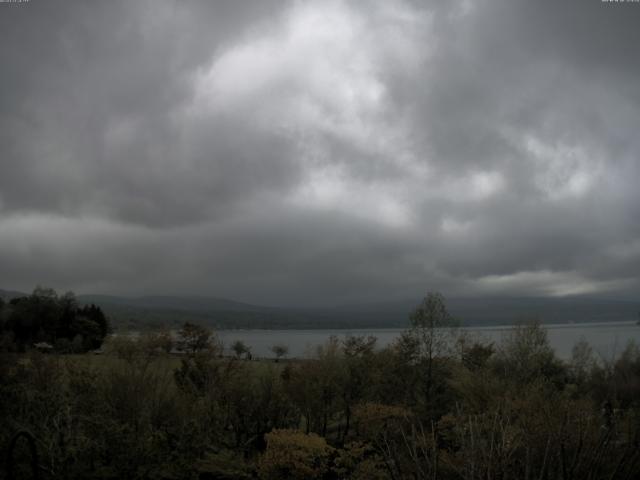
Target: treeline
{"points": [[50, 321], [436, 404]]}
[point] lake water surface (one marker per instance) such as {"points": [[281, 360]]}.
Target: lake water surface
{"points": [[607, 339]]}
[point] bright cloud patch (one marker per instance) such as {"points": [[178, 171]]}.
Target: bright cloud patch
{"points": [[323, 66], [562, 171], [318, 78], [546, 282], [330, 190]]}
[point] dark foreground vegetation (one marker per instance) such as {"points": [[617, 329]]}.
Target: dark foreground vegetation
{"points": [[434, 405]]}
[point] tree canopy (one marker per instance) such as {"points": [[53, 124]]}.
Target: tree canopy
{"points": [[45, 316]]}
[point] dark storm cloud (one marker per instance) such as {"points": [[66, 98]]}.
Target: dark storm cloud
{"points": [[301, 152]]}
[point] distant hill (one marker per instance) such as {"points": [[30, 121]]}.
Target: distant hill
{"points": [[9, 294], [577, 309], [171, 311], [510, 310], [146, 312], [186, 303], [143, 312]]}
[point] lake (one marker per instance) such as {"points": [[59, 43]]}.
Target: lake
{"points": [[607, 339]]}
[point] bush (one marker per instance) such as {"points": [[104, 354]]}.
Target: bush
{"points": [[294, 455]]}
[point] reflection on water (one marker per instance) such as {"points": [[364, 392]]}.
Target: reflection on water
{"points": [[607, 339]]}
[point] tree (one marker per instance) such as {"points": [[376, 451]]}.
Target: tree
{"points": [[431, 323], [195, 338], [358, 352], [69, 310], [582, 361], [157, 342], [358, 345], [43, 316], [526, 355], [239, 348], [280, 350], [2, 314], [475, 356], [433, 330], [36, 317], [95, 314]]}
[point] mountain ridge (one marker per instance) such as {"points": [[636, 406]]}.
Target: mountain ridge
{"points": [[153, 311]]}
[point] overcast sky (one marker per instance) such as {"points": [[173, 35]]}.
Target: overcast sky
{"points": [[313, 152]]}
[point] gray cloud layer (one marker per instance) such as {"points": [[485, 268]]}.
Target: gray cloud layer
{"points": [[305, 152]]}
